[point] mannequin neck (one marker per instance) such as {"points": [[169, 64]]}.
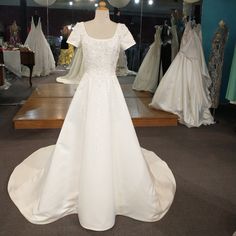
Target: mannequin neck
{"points": [[102, 16], [101, 26]]}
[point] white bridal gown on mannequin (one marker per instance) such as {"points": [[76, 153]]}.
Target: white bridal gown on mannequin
{"points": [[76, 71], [184, 88], [97, 168], [44, 60]]}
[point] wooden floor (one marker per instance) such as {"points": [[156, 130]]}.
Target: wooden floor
{"points": [[47, 107]]}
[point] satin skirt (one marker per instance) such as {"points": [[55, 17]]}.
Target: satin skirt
{"points": [[184, 91], [96, 169]]}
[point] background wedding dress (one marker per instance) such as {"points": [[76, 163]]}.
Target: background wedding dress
{"points": [[76, 70], [44, 60], [97, 168], [150, 72], [147, 77], [183, 90], [174, 42], [122, 65]]}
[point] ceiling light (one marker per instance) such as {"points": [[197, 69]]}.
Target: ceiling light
{"points": [[96, 4], [71, 3], [150, 2], [136, 1]]}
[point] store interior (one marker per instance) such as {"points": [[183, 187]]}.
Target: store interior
{"points": [[185, 115]]}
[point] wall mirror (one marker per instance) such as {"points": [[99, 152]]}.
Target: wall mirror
{"points": [[140, 16]]}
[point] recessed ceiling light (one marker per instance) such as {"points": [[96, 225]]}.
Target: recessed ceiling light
{"points": [[136, 1], [71, 3], [150, 2]]}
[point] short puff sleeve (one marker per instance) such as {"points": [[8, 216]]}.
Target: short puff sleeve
{"points": [[127, 39], [75, 36]]}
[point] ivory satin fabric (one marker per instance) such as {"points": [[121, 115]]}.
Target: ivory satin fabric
{"points": [[97, 168], [184, 89]]}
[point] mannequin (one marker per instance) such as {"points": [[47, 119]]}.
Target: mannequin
{"points": [[222, 24], [166, 38], [101, 20], [36, 18], [67, 50], [14, 33]]}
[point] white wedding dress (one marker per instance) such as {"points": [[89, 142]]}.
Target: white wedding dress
{"points": [[122, 65], [184, 88], [76, 71], [97, 168], [148, 74], [44, 60], [150, 71]]}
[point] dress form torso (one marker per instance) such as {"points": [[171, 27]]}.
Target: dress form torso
{"points": [[36, 19], [101, 27], [166, 38]]}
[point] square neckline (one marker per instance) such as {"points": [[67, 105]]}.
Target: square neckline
{"points": [[116, 30]]}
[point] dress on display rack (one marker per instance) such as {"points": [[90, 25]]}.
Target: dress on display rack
{"points": [[184, 88], [150, 71], [231, 90], [44, 60], [97, 168]]}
